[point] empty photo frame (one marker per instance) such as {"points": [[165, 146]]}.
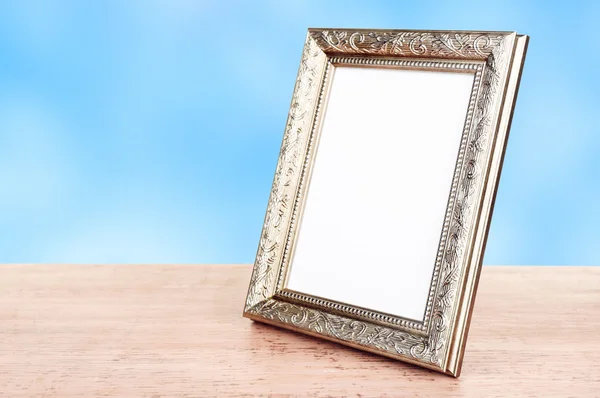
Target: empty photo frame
{"points": [[383, 193]]}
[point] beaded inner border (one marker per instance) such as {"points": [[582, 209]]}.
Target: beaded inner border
{"points": [[474, 67]]}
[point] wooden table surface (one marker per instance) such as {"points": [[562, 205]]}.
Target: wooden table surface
{"points": [[177, 331]]}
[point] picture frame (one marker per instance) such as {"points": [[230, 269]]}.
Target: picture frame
{"points": [[491, 64]]}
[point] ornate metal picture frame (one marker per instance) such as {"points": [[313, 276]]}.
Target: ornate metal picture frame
{"points": [[438, 340]]}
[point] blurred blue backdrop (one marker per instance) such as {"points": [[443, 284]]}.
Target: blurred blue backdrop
{"points": [[148, 131]]}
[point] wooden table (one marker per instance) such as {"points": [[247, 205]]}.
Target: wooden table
{"points": [[177, 331]]}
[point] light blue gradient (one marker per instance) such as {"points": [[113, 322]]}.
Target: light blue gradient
{"points": [[148, 131]]}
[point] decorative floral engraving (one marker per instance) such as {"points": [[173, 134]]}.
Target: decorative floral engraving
{"points": [[273, 236], [408, 43], [347, 329], [466, 192]]}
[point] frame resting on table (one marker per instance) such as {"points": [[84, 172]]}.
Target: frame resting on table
{"points": [[437, 341]]}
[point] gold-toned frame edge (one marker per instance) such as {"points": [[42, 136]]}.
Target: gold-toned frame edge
{"points": [[348, 343], [471, 282], [447, 364]]}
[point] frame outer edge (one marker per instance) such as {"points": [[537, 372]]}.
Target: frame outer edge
{"points": [[356, 346], [249, 303], [471, 281]]}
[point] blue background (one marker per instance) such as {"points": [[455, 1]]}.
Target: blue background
{"points": [[148, 131]]}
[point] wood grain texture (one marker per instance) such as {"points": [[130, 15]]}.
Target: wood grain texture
{"points": [[177, 331]]}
